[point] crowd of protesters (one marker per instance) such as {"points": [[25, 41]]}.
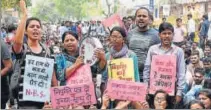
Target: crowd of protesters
{"points": [[138, 40]]}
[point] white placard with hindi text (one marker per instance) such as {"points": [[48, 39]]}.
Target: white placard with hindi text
{"points": [[37, 78]]}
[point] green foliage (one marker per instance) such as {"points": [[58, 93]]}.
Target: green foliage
{"points": [[55, 10], [13, 3]]}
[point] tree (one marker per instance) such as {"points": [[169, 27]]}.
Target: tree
{"points": [[65, 10], [10, 4], [111, 10], [5, 4], [74, 8], [46, 11], [0, 12]]}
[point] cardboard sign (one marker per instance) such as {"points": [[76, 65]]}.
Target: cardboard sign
{"points": [[113, 21], [65, 96], [127, 90], [37, 78], [121, 69], [82, 75], [163, 74], [87, 49]]}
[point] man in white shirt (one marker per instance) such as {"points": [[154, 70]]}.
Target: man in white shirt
{"points": [[191, 28], [179, 33]]}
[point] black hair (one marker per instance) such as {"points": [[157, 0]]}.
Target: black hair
{"points": [[62, 24], [190, 15], [207, 60], [124, 18], [149, 13], [178, 19], [195, 52], [66, 22], [206, 92], [166, 96], [208, 43], [195, 43], [164, 26], [11, 28], [69, 33], [130, 17], [196, 102], [205, 16], [207, 84], [199, 70], [164, 18], [120, 30], [31, 19], [188, 52]]}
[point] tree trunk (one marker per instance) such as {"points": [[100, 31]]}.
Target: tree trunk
{"points": [[0, 12], [109, 8]]}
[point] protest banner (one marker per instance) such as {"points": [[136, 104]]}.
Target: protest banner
{"points": [[87, 49], [121, 69], [82, 75], [113, 21], [163, 74], [127, 90], [37, 78], [74, 95]]}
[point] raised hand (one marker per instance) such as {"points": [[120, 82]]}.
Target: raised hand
{"points": [[23, 6]]}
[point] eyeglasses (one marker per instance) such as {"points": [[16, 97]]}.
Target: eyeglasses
{"points": [[116, 37], [159, 99]]}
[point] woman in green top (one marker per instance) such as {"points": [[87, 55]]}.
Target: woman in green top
{"points": [[118, 50]]}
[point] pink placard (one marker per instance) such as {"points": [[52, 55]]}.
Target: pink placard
{"points": [[65, 96], [113, 20], [163, 74], [126, 90], [82, 75]]}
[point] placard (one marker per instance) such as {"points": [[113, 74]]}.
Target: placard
{"points": [[163, 74], [121, 69], [66, 96], [37, 78], [87, 49], [113, 21], [82, 75], [127, 90]]}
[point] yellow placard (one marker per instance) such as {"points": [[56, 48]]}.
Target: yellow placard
{"points": [[196, 38], [121, 69]]}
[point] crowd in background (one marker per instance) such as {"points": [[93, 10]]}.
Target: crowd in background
{"points": [[139, 40]]}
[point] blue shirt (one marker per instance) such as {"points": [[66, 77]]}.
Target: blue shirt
{"points": [[63, 61], [204, 29], [74, 29]]}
